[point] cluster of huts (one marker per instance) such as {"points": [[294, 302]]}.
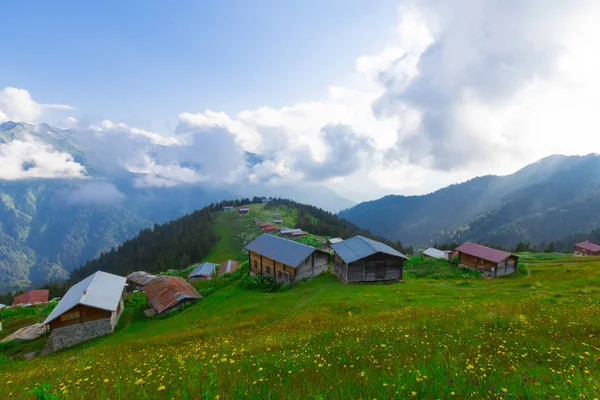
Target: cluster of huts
{"points": [[92, 307]]}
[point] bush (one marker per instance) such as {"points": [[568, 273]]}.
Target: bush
{"points": [[262, 283]]}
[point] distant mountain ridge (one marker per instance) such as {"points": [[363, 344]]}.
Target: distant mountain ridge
{"points": [[546, 200], [48, 227]]}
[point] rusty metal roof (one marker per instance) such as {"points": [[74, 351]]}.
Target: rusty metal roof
{"points": [[486, 253], [165, 292], [589, 246], [140, 278], [228, 266], [32, 297]]}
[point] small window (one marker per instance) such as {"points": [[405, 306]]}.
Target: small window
{"points": [[306, 261], [268, 270], [69, 316]]}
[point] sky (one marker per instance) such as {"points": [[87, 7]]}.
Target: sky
{"points": [[367, 98]]}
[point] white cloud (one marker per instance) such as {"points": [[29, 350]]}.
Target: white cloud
{"points": [[17, 105], [32, 159], [468, 88], [107, 126]]}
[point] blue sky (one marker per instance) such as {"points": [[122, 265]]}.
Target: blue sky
{"points": [[144, 62]]}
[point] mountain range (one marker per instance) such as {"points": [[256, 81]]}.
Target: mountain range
{"points": [[50, 225], [546, 200]]}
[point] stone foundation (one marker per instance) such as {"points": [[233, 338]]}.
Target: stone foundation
{"points": [[75, 334]]}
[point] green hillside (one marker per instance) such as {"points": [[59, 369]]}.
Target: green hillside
{"points": [[521, 337], [547, 200]]}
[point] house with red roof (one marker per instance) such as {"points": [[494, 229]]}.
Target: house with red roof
{"points": [[490, 262], [587, 249], [31, 297]]}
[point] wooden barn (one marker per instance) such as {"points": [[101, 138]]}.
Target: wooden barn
{"points": [[587, 249], [138, 279], [228, 267], [227, 208], [31, 297], [166, 293], [285, 260], [359, 259], [243, 210], [202, 272], [490, 262], [91, 308]]}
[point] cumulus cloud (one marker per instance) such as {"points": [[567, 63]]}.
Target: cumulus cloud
{"points": [[488, 66], [32, 159], [468, 88], [17, 105]]}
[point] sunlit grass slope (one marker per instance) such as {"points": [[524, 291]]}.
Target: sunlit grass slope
{"points": [[524, 337]]}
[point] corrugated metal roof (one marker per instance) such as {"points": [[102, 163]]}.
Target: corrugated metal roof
{"points": [[359, 247], [140, 278], [31, 297], [435, 253], [589, 246], [228, 266], [486, 253], [335, 240], [281, 250], [285, 231], [99, 290], [205, 269], [165, 292]]}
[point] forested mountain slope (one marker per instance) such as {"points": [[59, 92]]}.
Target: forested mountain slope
{"points": [[554, 197], [49, 226]]}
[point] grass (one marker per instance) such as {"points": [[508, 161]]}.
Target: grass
{"points": [[524, 337]]}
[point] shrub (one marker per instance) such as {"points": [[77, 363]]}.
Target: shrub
{"points": [[262, 283]]}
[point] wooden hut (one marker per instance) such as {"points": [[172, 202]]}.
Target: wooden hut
{"points": [[490, 262], [138, 279], [285, 260], [227, 208], [31, 297], [166, 293], [228, 267], [202, 272], [91, 308], [359, 259], [587, 249], [243, 210]]}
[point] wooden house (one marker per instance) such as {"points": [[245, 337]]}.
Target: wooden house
{"points": [[91, 308], [359, 259], [299, 234], [278, 221], [587, 249], [31, 297], [490, 262], [288, 231], [166, 293], [432, 252], [227, 208], [243, 210], [138, 279], [285, 260], [228, 267], [202, 272]]}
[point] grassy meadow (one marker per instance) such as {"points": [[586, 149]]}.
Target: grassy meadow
{"points": [[534, 336], [441, 333]]}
